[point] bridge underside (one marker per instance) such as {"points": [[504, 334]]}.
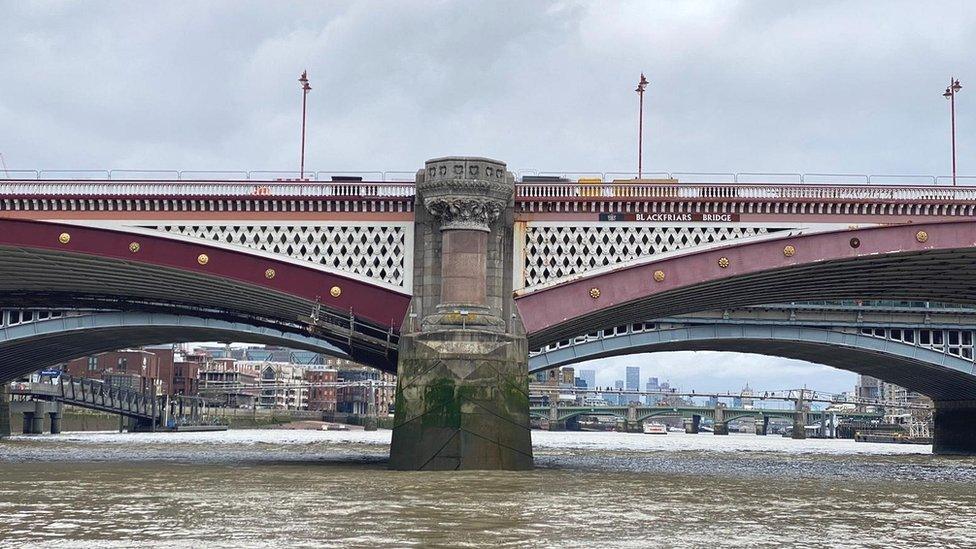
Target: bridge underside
{"points": [[946, 276], [939, 376], [31, 278], [29, 347]]}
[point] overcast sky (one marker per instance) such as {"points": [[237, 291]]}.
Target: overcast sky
{"points": [[769, 86]]}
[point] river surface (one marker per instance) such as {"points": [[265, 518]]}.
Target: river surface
{"points": [[276, 488]]}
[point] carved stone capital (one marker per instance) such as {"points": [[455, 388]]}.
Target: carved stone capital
{"points": [[465, 192], [464, 212]]}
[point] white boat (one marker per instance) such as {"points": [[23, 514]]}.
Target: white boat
{"points": [[655, 429]]}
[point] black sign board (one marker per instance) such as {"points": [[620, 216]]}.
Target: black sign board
{"points": [[672, 217]]}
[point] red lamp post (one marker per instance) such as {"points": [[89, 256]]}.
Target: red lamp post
{"points": [[641, 86], [305, 89], [950, 94]]}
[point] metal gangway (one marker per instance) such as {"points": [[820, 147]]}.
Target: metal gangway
{"points": [[94, 394]]}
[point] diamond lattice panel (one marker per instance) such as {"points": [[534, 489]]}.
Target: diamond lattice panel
{"points": [[553, 252], [374, 251]]}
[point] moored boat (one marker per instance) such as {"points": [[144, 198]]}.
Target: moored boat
{"points": [[655, 429]]}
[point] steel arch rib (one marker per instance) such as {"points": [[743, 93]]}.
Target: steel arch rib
{"points": [[26, 347], [932, 261], [38, 255], [933, 373]]}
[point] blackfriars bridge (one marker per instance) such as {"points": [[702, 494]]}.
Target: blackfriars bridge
{"points": [[452, 278]]}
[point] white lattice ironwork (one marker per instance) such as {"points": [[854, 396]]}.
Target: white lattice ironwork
{"points": [[958, 343], [553, 251], [16, 317], [372, 250]]}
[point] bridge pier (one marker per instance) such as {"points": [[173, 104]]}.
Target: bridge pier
{"points": [[692, 424], [800, 419], [799, 428], [720, 426], [762, 426], [56, 419], [632, 425], [462, 376], [554, 423], [955, 428], [371, 422], [37, 418], [4, 410]]}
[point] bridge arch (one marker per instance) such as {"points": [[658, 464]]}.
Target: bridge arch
{"points": [[61, 265], [671, 413], [766, 412], [569, 413], [938, 375], [27, 347], [933, 262]]}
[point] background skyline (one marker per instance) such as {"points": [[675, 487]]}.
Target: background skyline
{"points": [[760, 86]]}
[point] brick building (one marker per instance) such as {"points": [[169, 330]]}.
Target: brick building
{"points": [[321, 398], [130, 368]]}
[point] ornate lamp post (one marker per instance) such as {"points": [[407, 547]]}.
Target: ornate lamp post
{"points": [[305, 89], [950, 94], [641, 86]]}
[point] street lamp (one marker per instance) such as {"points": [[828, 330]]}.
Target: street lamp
{"points": [[950, 94], [305, 89], [641, 86]]}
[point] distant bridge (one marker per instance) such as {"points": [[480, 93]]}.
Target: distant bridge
{"points": [[641, 413]]}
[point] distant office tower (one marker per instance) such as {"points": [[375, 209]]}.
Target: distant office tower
{"points": [[589, 376], [621, 399], [712, 401], [633, 378], [652, 385]]}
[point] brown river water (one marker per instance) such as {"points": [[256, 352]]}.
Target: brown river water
{"points": [[273, 488]]}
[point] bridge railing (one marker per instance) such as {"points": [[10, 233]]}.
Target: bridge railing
{"points": [[142, 189], [532, 185], [740, 191], [96, 393]]}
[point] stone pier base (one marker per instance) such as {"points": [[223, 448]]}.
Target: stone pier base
{"points": [[462, 402], [4, 410], [799, 429], [55, 422], [955, 428], [692, 424], [720, 428]]}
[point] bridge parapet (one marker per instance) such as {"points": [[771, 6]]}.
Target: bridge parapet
{"points": [[563, 228]]}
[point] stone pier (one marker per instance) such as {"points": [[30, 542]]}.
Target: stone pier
{"points": [[800, 419], [56, 412], [692, 424], [462, 378], [720, 426], [955, 428], [4, 410], [762, 425]]}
